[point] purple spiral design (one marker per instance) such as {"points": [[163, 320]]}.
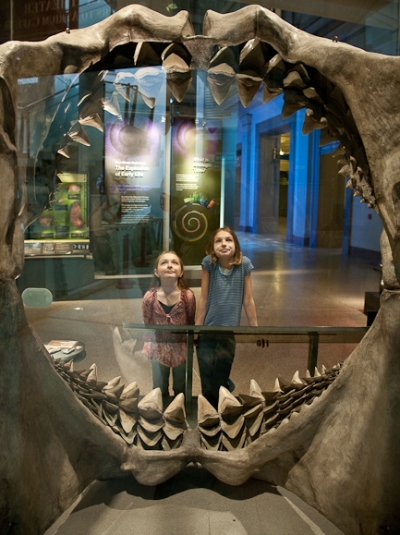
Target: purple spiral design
{"points": [[190, 222]]}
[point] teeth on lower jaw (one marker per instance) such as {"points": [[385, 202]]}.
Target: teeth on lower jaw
{"points": [[238, 422]]}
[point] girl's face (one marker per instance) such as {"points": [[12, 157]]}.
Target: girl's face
{"points": [[169, 267], [224, 245]]}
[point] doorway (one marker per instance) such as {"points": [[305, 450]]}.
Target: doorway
{"points": [[273, 183]]}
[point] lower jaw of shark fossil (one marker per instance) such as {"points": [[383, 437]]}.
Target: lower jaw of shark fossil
{"points": [[321, 452]]}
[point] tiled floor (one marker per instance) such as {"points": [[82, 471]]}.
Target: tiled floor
{"points": [[293, 286]]}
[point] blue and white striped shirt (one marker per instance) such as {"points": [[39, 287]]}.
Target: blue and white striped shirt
{"points": [[225, 292]]}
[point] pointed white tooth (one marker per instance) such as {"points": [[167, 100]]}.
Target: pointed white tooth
{"points": [[206, 413], [112, 382], [92, 377], [323, 370], [151, 405], [308, 374], [175, 411], [316, 372], [296, 379], [227, 403], [254, 388], [277, 386]]}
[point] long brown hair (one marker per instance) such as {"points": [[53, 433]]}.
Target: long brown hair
{"points": [[237, 257], [155, 282]]}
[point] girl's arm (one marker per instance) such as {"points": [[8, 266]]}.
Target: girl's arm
{"points": [[202, 305], [248, 301], [190, 307], [147, 308]]}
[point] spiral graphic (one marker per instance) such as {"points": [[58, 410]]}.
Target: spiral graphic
{"points": [[190, 222]]}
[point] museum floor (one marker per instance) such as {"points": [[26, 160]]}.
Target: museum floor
{"points": [[293, 286]]}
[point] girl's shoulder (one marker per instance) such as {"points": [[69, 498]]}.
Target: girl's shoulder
{"points": [[206, 263], [187, 293], [150, 293]]}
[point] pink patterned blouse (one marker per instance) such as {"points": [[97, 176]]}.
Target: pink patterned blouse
{"points": [[169, 349]]}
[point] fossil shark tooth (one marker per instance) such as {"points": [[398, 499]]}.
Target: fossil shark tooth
{"points": [[211, 443], [112, 105], [146, 55], [172, 432], [92, 120], [79, 135], [276, 72], [112, 382], [129, 398], [269, 94], [149, 441], [114, 393], [149, 101], [170, 444], [255, 389], [175, 57], [175, 412], [294, 101], [324, 371], [247, 87], [64, 151], [228, 405], [151, 406], [131, 390], [92, 376], [124, 90], [234, 427], [151, 426], [293, 78], [296, 379], [219, 85], [310, 123], [224, 58], [253, 412], [316, 372], [211, 431], [270, 408], [127, 421], [277, 387], [179, 84], [254, 424], [207, 416], [236, 443]]}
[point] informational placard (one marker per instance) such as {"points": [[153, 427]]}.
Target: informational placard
{"points": [[195, 188], [129, 235]]}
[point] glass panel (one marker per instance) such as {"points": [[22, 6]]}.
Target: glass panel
{"points": [[122, 163]]}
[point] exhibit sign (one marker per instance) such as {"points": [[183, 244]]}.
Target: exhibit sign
{"points": [[195, 187], [131, 227]]}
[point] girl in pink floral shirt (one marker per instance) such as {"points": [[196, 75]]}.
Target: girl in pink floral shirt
{"points": [[169, 302]]}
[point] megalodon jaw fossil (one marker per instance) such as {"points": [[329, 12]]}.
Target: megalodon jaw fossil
{"points": [[341, 454]]}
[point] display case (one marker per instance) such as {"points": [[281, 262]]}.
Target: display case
{"points": [[63, 228]]}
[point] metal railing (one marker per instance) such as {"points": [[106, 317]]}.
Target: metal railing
{"points": [[261, 336]]}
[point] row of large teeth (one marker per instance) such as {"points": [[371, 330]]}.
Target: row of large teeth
{"points": [[236, 423], [240, 421], [257, 64]]}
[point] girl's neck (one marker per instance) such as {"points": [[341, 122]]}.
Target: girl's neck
{"points": [[170, 287], [225, 263]]}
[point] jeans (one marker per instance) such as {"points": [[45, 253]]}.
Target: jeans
{"points": [[161, 377], [215, 354]]}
